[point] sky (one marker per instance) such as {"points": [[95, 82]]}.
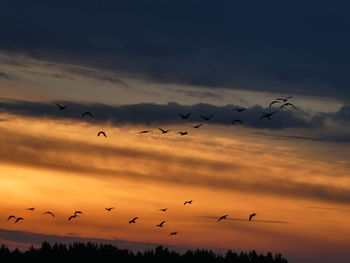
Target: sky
{"points": [[135, 65]]}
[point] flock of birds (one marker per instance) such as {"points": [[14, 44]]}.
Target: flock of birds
{"points": [[283, 102], [109, 209]]}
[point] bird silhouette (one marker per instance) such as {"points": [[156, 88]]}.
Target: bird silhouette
{"points": [[161, 224], [267, 115], [237, 121], [184, 116], [72, 217], [163, 209], [133, 220], [197, 126], [207, 118], [287, 104], [275, 101], [188, 202], [251, 216], [49, 213], [87, 114], [182, 133], [221, 218], [101, 132], [284, 99], [61, 107], [10, 217], [163, 131], [173, 233], [31, 208], [19, 219], [109, 208], [78, 212], [239, 109], [145, 131]]}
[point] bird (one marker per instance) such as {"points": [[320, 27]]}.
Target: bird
{"points": [[61, 107], [10, 217], [239, 109], [275, 101], [184, 117], [31, 208], [267, 115], [87, 113], [237, 121], [101, 132], [207, 118], [78, 212], [285, 99], [133, 220], [161, 224], [251, 216], [163, 131], [197, 126], [71, 217], [188, 202], [287, 104], [163, 209], [183, 133], [221, 218], [49, 213], [145, 131], [173, 234], [109, 208], [18, 219]]}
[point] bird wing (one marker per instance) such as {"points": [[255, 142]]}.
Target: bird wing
{"points": [[161, 129]]}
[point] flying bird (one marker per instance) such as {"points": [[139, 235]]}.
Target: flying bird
{"points": [[163, 209], [163, 131], [18, 219], [222, 217], [237, 121], [188, 202], [197, 126], [275, 101], [173, 234], [239, 109], [10, 217], [31, 208], [101, 132], [184, 117], [161, 224], [267, 115], [183, 133], [284, 99], [49, 213], [207, 118], [109, 208], [72, 217], [61, 107], [78, 212], [251, 216], [87, 114], [287, 104], [145, 131], [133, 220]]}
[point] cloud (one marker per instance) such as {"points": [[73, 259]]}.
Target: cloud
{"points": [[162, 114], [83, 158], [228, 44]]}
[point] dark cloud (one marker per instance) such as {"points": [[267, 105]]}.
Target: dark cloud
{"points": [[298, 47], [163, 114], [31, 238]]}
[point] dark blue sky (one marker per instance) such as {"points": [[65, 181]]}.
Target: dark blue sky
{"points": [[297, 47]]}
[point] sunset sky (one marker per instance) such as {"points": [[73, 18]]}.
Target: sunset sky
{"points": [[135, 65]]}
